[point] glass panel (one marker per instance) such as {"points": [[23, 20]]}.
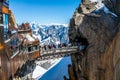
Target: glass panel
{"points": [[14, 45], [14, 42], [0, 61], [37, 47], [1, 18], [29, 49], [6, 1], [34, 48], [21, 47], [5, 22]]}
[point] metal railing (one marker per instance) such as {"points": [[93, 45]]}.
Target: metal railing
{"points": [[59, 52]]}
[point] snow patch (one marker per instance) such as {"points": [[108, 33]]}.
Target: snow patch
{"points": [[13, 31], [65, 25], [95, 0], [38, 72], [30, 38], [107, 11], [101, 6], [37, 37]]}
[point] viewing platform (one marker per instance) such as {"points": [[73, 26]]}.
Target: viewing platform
{"points": [[57, 53]]}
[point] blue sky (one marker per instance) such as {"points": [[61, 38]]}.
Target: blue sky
{"points": [[43, 11]]}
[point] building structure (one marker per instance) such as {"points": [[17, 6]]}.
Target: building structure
{"points": [[16, 46]]}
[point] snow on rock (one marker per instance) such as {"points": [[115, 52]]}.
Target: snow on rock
{"points": [[95, 0], [107, 11], [30, 38], [65, 25], [37, 37], [57, 42], [101, 6]]}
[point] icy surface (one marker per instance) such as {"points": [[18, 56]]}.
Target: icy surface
{"points": [[40, 70]]}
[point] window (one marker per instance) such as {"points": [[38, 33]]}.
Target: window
{"points": [[5, 22], [36, 47], [1, 18], [14, 45], [0, 62], [14, 42], [6, 3], [21, 47], [29, 49], [11, 42]]}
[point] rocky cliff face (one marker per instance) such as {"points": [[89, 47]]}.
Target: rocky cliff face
{"points": [[97, 21]]}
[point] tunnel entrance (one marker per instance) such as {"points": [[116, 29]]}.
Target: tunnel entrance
{"points": [[81, 42]]}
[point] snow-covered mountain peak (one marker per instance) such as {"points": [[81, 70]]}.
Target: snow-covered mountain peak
{"points": [[50, 34]]}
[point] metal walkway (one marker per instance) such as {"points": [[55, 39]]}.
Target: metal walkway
{"points": [[57, 53]]}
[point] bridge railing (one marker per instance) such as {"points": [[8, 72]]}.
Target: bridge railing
{"points": [[58, 50]]}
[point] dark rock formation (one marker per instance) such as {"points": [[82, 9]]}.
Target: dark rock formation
{"points": [[113, 5], [101, 61]]}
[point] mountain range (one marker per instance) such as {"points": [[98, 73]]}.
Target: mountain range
{"points": [[50, 34]]}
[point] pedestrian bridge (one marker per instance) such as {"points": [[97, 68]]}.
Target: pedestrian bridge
{"points": [[57, 53]]}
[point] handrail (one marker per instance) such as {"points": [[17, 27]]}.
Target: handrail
{"points": [[60, 50], [73, 47], [7, 40], [32, 51], [15, 54]]}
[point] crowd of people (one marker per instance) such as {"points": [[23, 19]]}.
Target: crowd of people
{"points": [[81, 42], [52, 46]]}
